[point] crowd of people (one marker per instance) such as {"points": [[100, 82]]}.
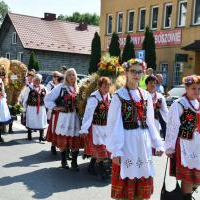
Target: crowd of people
{"points": [[125, 129]]}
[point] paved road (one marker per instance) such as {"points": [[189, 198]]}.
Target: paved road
{"points": [[29, 171]]}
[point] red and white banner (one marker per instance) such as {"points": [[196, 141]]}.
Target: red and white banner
{"points": [[162, 39]]}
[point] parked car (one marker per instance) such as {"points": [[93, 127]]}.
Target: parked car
{"points": [[174, 94]]}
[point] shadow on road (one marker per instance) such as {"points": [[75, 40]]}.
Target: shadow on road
{"points": [[34, 159], [45, 182]]}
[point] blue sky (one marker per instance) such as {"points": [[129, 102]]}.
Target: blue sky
{"points": [[65, 7]]}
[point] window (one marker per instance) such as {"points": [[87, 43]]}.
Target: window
{"points": [[196, 18], [8, 55], [182, 13], [119, 22], [109, 24], [14, 38], [142, 19], [130, 21], [154, 17], [164, 71], [20, 56], [167, 15], [178, 69]]}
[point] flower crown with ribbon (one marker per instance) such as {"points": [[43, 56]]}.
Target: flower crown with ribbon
{"points": [[135, 61], [191, 79]]}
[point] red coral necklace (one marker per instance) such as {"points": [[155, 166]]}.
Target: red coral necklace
{"points": [[129, 93]]}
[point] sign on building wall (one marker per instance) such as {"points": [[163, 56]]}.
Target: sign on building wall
{"points": [[162, 39], [140, 54]]}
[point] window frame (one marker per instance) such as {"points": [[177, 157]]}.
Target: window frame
{"points": [[165, 9], [107, 24], [14, 37], [128, 20], [195, 1], [151, 22], [179, 13], [19, 55], [8, 57], [140, 11], [117, 21]]}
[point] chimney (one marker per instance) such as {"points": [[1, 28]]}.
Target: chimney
{"points": [[49, 17], [82, 26]]}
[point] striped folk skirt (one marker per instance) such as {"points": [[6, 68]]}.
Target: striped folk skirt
{"points": [[129, 188], [97, 151], [60, 141], [181, 172]]}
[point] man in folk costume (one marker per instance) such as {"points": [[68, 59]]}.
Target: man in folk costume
{"points": [[33, 104], [182, 142], [94, 126], [64, 126], [131, 135], [5, 117], [159, 103]]}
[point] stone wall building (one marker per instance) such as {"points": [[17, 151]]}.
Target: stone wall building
{"points": [[55, 43]]}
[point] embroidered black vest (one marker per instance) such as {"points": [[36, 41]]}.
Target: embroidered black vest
{"points": [[100, 113], [188, 123], [130, 114], [65, 99], [33, 97], [157, 107]]}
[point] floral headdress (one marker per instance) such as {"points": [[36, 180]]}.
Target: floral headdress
{"points": [[191, 79], [135, 61], [110, 66]]}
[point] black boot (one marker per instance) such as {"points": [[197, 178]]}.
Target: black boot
{"points": [[67, 154], [188, 197], [42, 138], [64, 163], [103, 173], [10, 130], [74, 165], [29, 134], [53, 150], [91, 167], [1, 139]]}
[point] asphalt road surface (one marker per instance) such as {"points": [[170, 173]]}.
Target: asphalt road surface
{"points": [[29, 171]]}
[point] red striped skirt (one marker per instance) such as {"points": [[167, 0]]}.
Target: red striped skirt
{"points": [[97, 151], [129, 188], [60, 141], [181, 172]]}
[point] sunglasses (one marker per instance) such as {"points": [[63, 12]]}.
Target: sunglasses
{"points": [[136, 72], [56, 76]]}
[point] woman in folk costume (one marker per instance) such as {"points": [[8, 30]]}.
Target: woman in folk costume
{"points": [[5, 117], [131, 135], [94, 126], [182, 143], [64, 125], [33, 104], [50, 86], [159, 102]]}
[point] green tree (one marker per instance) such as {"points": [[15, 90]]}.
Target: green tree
{"points": [[114, 48], [33, 63], [95, 53], [3, 10], [91, 19], [37, 65], [129, 51], [150, 49]]}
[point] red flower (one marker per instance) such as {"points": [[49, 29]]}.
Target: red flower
{"points": [[189, 117]]}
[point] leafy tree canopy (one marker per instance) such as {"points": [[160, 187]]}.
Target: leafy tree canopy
{"points": [[3, 10], [91, 19]]}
